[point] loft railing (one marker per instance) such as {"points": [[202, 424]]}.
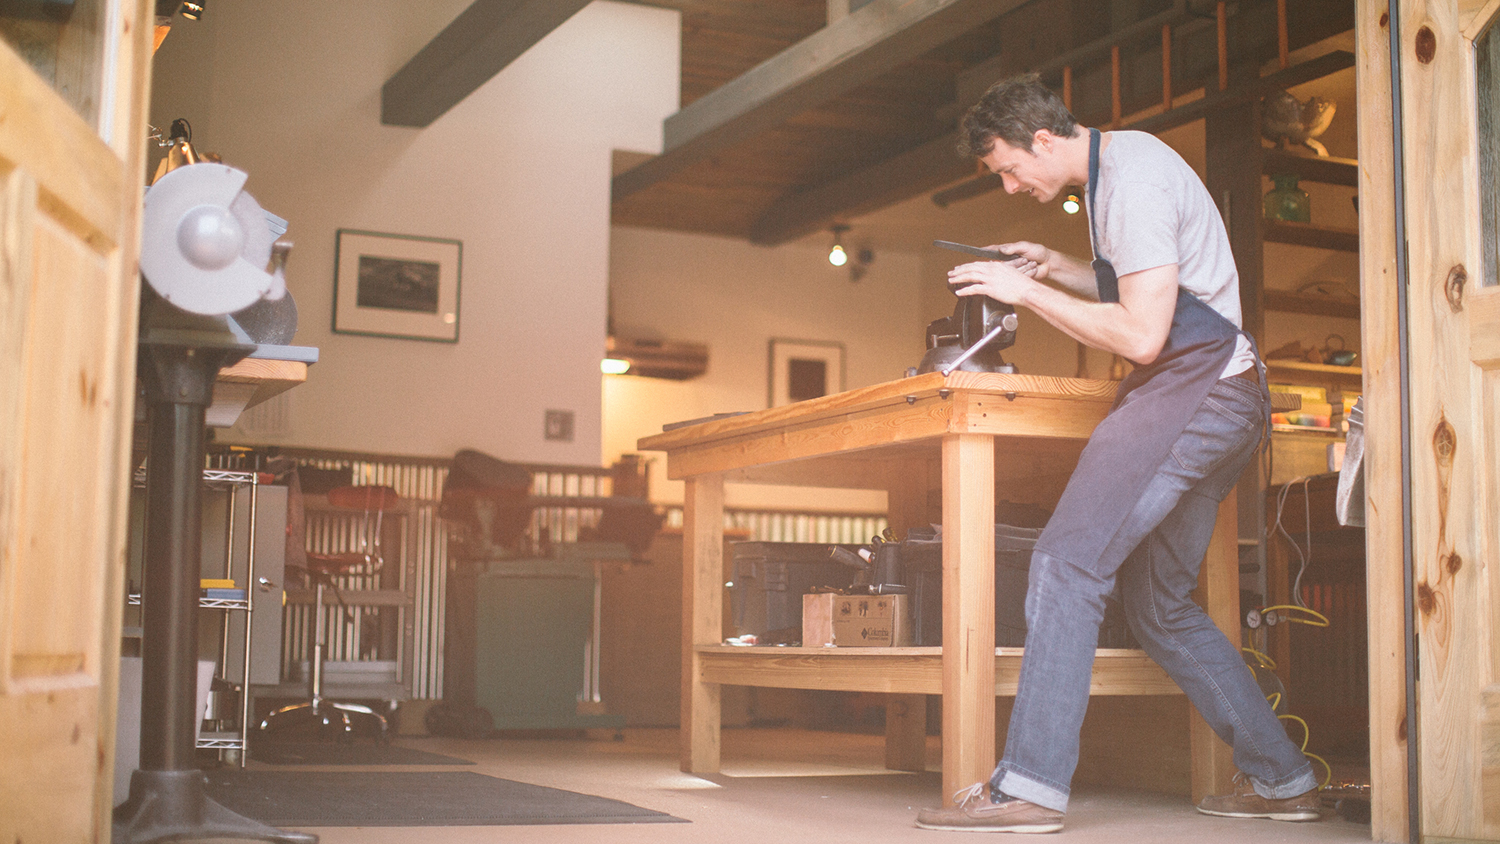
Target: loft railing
{"points": [[419, 480]]}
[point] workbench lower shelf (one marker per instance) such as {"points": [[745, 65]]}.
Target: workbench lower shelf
{"points": [[907, 670]]}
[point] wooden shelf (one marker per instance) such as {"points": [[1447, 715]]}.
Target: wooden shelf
{"points": [[1343, 378], [1309, 234], [1328, 170], [1301, 303], [907, 670]]}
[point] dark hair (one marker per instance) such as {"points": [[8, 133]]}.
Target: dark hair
{"points": [[1013, 110]]}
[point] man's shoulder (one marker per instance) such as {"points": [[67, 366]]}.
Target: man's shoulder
{"points": [[1143, 161], [1137, 144]]}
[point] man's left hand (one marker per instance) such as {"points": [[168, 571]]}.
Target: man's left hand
{"points": [[1003, 281]]}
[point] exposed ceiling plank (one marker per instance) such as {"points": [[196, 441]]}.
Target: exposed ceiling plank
{"points": [[926, 167], [482, 40], [831, 61]]}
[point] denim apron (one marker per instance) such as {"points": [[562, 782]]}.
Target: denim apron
{"points": [[1151, 410]]}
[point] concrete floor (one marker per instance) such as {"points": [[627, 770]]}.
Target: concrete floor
{"points": [[789, 785]]}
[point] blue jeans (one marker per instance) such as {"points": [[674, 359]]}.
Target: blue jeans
{"points": [[1155, 556]]}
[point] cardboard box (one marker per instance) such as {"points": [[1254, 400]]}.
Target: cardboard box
{"points": [[879, 621]]}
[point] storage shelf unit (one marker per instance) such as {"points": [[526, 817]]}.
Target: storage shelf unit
{"points": [[224, 479]]}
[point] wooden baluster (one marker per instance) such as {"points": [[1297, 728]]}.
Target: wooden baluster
{"points": [[1223, 21], [1166, 67], [1282, 47], [1114, 86]]}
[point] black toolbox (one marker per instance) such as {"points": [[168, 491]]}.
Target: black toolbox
{"points": [[770, 579], [922, 564]]}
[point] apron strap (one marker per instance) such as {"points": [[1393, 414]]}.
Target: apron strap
{"points": [[1105, 280]]}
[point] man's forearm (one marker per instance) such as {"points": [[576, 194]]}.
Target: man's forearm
{"points": [[1072, 274], [1136, 327]]}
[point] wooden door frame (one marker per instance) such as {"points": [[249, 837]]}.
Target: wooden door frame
{"points": [[1381, 366], [1414, 556]]}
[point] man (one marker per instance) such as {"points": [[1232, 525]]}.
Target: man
{"points": [[1140, 507]]}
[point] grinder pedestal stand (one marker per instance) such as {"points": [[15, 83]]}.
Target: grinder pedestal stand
{"points": [[167, 799]]}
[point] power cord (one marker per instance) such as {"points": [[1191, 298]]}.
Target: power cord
{"points": [[1306, 734], [1302, 558]]}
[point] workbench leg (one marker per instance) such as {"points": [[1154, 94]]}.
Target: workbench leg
{"points": [[906, 715], [702, 618], [968, 611], [906, 732], [1219, 594]]}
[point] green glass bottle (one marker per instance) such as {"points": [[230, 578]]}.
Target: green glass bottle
{"points": [[1286, 201]]}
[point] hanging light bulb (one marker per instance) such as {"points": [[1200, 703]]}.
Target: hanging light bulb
{"points": [[1071, 202], [837, 256]]}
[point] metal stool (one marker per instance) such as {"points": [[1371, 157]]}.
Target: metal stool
{"points": [[322, 571]]}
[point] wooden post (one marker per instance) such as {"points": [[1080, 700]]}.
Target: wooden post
{"points": [[968, 610], [1219, 594], [1067, 92], [702, 618], [1232, 140]]}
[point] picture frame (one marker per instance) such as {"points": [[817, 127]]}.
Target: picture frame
{"points": [[804, 369], [398, 286]]}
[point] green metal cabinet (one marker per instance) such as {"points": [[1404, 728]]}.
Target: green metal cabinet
{"points": [[535, 658]]}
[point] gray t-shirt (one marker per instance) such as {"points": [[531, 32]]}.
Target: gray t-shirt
{"points": [[1152, 210]]}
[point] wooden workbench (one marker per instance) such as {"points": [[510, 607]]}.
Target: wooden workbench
{"points": [[967, 434]]}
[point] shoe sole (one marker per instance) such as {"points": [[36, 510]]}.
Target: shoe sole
{"points": [[1025, 829], [1295, 817]]}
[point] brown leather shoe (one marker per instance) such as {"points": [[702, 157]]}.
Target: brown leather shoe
{"points": [[1245, 803], [976, 812]]}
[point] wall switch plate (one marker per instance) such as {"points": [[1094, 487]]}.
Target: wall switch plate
{"points": [[558, 425]]}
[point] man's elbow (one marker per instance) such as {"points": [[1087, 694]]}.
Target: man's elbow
{"points": [[1146, 350]]}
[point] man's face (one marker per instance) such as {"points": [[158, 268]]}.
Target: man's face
{"points": [[1034, 172]]}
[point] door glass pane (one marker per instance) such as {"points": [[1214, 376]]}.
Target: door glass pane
{"points": [[1487, 87], [63, 41]]}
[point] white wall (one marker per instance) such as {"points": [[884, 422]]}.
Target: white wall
{"points": [[519, 172], [736, 297]]}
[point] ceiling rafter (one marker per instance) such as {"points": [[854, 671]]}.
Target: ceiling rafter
{"points": [[478, 44]]}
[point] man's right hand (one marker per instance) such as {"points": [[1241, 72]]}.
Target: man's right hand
{"points": [[1033, 259]]}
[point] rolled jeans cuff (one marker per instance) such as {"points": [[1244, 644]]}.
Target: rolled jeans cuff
{"points": [[1017, 785], [1300, 784]]}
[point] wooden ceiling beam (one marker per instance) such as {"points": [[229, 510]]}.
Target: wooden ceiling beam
{"points": [[478, 44], [856, 49]]}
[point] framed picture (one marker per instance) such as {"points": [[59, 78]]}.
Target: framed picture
{"points": [[392, 285], [804, 369]]}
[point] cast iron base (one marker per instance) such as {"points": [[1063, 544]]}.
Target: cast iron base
{"points": [[173, 806]]}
